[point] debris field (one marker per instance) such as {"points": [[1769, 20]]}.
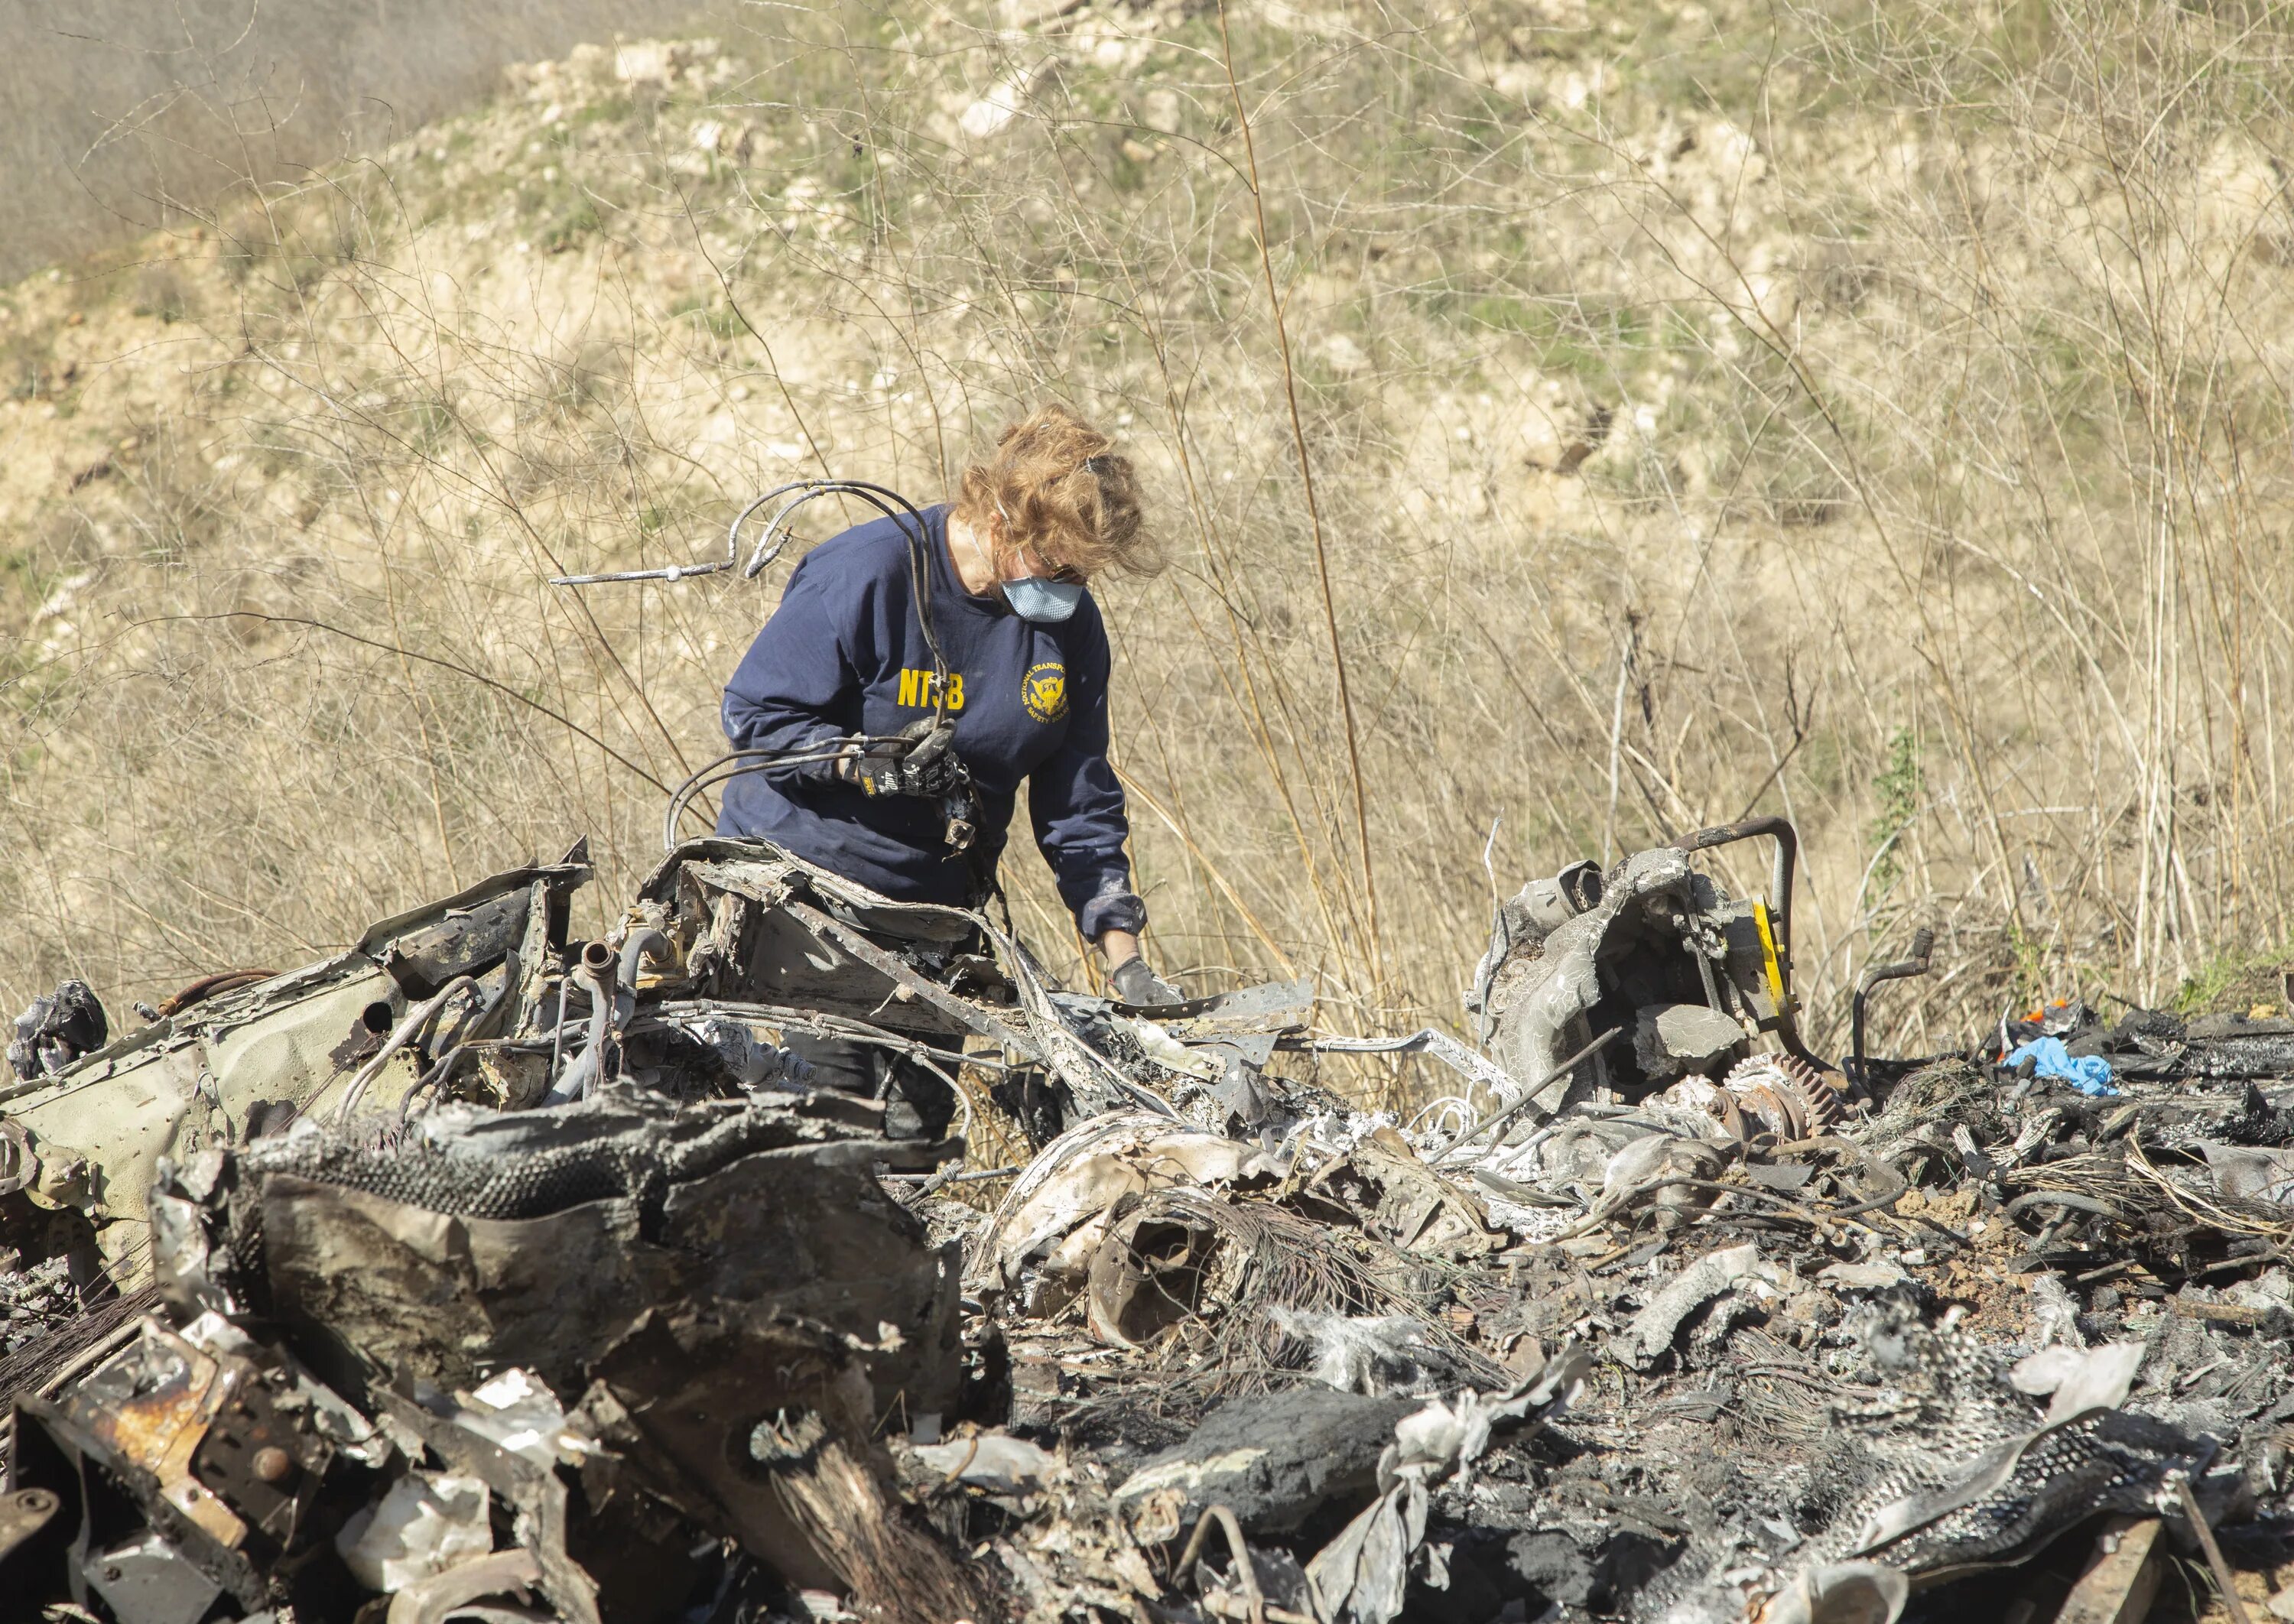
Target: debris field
{"points": [[482, 1274]]}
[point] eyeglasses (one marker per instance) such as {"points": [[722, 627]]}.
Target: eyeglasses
{"points": [[1065, 574]]}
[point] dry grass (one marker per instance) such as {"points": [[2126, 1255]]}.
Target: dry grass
{"points": [[1875, 414]]}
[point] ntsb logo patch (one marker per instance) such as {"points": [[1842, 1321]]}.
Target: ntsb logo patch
{"points": [[1044, 691]]}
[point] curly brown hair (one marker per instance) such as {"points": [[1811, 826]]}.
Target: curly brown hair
{"points": [[1067, 499]]}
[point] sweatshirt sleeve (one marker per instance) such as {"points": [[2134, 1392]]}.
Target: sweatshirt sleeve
{"points": [[1077, 806], [797, 685]]}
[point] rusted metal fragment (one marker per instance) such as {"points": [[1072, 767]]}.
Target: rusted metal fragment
{"points": [[2118, 1586], [149, 1408]]}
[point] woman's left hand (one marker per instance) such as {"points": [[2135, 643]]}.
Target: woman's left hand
{"points": [[1141, 987]]}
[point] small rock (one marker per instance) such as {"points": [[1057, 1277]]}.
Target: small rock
{"points": [[1159, 111]]}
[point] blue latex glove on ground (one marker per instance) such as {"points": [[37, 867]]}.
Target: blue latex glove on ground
{"points": [[2090, 1074]]}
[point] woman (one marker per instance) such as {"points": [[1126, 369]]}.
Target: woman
{"points": [[1020, 673]]}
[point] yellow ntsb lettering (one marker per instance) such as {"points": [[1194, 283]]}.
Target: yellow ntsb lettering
{"points": [[921, 688]]}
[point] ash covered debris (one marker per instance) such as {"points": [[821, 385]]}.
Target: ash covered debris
{"points": [[482, 1274]]}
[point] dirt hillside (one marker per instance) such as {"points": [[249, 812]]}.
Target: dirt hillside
{"points": [[1877, 418]]}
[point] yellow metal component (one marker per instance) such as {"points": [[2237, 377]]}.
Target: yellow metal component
{"points": [[1769, 960]]}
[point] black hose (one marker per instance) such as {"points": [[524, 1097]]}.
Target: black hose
{"points": [[1922, 950], [910, 520], [738, 761], [917, 533]]}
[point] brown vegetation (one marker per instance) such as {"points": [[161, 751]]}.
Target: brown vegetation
{"points": [[1874, 414]]}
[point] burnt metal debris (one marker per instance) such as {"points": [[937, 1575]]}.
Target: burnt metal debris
{"points": [[482, 1274]]}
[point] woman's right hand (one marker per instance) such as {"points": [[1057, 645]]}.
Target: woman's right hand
{"points": [[920, 762]]}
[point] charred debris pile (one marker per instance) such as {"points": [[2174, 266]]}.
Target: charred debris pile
{"points": [[479, 1274]]}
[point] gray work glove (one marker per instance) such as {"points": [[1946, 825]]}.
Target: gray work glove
{"points": [[1140, 987], [920, 762]]}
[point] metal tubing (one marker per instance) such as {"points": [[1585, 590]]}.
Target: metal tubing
{"points": [[1787, 839], [636, 947], [596, 974], [480, 1025], [1922, 951], [682, 571], [1529, 1096], [416, 1021]]}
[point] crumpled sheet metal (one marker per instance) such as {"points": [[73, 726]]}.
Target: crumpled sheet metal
{"points": [[1056, 1216], [2075, 1380], [537, 1492], [1404, 1200], [1157, 1263], [257, 1052], [2246, 1172], [828, 963], [57, 1029], [425, 1524], [407, 1290], [1543, 1000]]}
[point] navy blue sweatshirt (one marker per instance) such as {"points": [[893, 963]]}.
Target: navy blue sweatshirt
{"points": [[844, 654]]}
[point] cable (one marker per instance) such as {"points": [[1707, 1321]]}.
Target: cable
{"points": [[709, 775], [418, 1021], [771, 541], [918, 534], [681, 572], [884, 500]]}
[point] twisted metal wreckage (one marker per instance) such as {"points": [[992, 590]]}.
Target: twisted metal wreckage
{"points": [[481, 1274], [495, 1276]]}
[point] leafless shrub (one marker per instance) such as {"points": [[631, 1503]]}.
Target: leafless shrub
{"points": [[1874, 414]]}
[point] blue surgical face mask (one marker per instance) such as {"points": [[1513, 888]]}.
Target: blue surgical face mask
{"points": [[1047, 602]]}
